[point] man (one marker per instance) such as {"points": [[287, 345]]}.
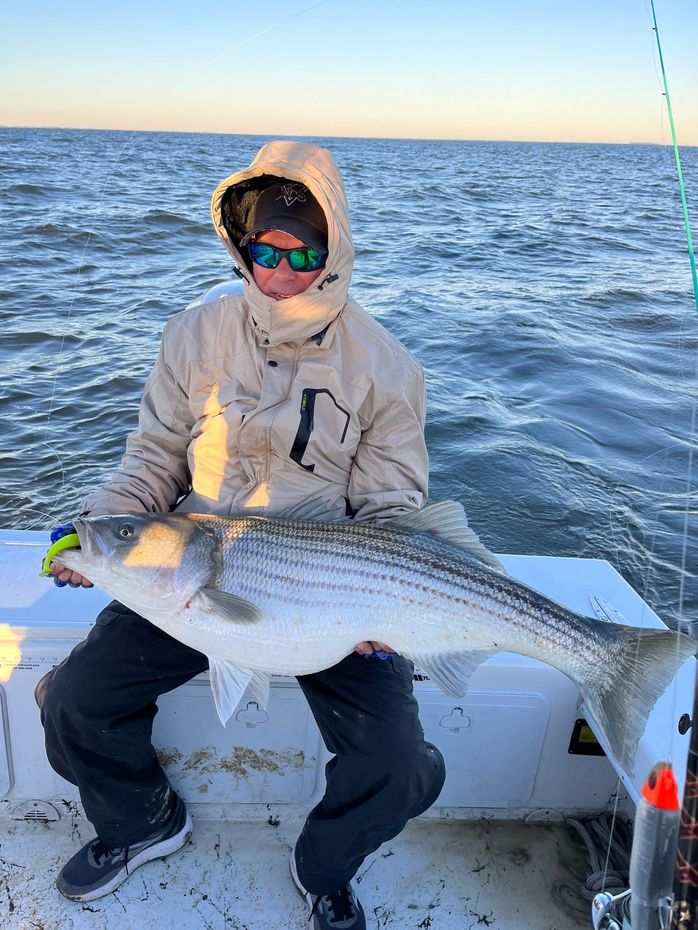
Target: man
{"points": [[284, 395]]}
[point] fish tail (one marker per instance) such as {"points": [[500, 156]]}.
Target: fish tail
{"points": [[642, 664]]}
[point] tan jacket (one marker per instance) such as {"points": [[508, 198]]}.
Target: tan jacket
{"points": [[262, 405]]}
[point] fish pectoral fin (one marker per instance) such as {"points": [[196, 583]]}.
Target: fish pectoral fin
{"points": [[230, 606], [451, 671], [448, 521], [228, 683]]}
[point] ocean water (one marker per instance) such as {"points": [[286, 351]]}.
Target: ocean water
{"points": [[545, 289]]}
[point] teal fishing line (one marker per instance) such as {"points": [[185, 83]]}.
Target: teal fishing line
{"points": [[684, 909], [684, 205], [692, 259]]}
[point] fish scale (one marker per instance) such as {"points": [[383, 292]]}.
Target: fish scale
{"points": [[321, 555], [263, 596]]}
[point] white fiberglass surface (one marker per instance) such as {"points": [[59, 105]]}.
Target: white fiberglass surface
{"points": [[234, 876]]}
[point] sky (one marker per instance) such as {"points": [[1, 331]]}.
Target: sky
{"points": [[545, 70]]}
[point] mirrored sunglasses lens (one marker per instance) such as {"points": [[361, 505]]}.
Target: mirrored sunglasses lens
{"points": [[306, 259], [265, 255]]}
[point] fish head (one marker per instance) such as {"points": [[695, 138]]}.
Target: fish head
{"points": [[151, 562]]}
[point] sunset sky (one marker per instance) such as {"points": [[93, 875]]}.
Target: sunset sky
{"points": [[549, 70]]}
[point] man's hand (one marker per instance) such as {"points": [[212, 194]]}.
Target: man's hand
{"points": [[371, 646], [63, 576]]}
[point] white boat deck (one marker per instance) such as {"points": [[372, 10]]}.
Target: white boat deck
{"points": [[438, 875]]}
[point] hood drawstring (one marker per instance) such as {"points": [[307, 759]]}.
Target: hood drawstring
{"points": [[328, 280]]}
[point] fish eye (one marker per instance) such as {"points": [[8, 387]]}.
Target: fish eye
{"points": [[125, 531]]}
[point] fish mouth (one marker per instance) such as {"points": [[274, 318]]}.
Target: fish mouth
{"points": [[91, 546], [79, 557]]}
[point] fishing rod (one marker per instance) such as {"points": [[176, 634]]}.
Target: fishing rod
{"points": [[663, 893], [684, 909], [677, 158]]}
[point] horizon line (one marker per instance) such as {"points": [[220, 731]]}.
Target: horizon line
{"points": [[195, 132]]}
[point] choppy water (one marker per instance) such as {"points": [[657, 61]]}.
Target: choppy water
{"points": [[545, 289]]}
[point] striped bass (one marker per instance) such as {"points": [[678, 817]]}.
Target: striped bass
{"points": [[261, 596]]}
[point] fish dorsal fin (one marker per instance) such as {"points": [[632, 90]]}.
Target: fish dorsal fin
{"points": [[451, 671], [228, 683], [447, 521], [230, 606]]}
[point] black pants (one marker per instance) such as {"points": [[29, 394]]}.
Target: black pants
{"points": [[97, 709]]}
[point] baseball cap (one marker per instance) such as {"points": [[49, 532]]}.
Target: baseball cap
{"points": [[290, 207]]}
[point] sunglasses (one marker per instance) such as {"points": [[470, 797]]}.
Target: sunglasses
{"points": [[302, 259]]}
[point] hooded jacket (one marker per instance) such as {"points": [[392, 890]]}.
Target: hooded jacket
{"points": [[262, 406]]}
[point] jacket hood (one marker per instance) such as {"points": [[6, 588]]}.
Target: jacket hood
{"points": [[293, 319]]}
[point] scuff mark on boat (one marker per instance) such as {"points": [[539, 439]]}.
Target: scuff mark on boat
{"points": [[168, 756], [242, 762]]}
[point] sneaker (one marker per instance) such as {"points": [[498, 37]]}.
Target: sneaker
{"points": [[340, 910], [96, 870]]}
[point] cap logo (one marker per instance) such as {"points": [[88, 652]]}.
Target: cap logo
{"points": [[292, 193]]}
